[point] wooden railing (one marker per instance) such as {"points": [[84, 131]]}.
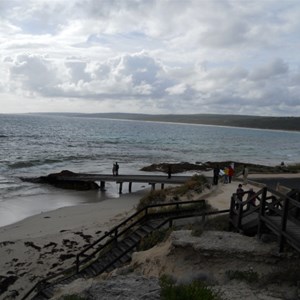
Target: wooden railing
{"points": [[137, 218], [274, 211], [171, 211]]}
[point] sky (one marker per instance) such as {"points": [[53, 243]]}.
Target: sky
{"points": [[150, 56]]}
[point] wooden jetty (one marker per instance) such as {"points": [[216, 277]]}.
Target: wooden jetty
{"points": [[120, 179]]}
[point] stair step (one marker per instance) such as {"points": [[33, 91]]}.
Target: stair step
{"points": [[129, 242], [47, 294]]}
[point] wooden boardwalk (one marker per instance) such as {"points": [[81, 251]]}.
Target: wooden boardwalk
{"points": [[120, 179]]}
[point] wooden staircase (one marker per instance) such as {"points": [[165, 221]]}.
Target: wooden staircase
{"points": [[115, 248], [277, 213]]}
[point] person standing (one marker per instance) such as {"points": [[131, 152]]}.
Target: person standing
{"points": [[245, 175], [240, 192], [117, 168], [169, 171], [226, 170], [216, 175], [230, 173], [114, 169], [252, 198]]}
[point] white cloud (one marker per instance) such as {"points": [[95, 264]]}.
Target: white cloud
{"points": [[155, 56]]}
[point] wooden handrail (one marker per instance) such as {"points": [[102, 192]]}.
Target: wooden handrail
{"points": [[38, 286]]}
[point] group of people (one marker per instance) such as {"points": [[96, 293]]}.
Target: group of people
{"points": [[228, 173]]}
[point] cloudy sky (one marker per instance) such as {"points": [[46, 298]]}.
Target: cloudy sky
{"points": [[150, 56]]}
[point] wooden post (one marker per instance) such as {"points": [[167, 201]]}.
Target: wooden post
{"points": [[283, 223], [77, 263], [129, 187], [261, 212], [297, 214], [152, 186], [162, 186], [240, 214], [102, 185], [120, 187]]}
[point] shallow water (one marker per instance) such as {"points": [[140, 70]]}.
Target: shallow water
{"points": [[35, 145]]}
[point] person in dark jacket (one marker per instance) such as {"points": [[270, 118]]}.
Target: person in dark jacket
{"points": [[216, 175]]}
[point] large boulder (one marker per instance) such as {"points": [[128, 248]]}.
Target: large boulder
{"points": [[66, 180]]}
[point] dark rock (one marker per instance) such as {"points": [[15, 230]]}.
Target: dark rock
{"points": [[131, 287], [209, 165], [31, 244], [86, 237], [5, 243], [69, 244], [50, 245], [66, 256], [175, 168], [65, 179], [5, 282]]}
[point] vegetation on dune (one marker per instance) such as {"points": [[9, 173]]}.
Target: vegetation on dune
{"points": [[154, 238], [153, 197], [196, 184], [263, 122], [73, 297], [249, 276], [196, 290]]}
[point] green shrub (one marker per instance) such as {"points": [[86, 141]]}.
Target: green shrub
{"points": [[153, 197], [219, 223], [249, 276], [197, 231], [290, 274], [196, 183], [73, 297], [196, 290], [294, 168], [153, 239]]}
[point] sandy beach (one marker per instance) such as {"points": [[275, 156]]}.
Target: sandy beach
{"points": [[48, 242], [45, 243]]}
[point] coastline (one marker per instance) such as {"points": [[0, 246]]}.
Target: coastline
{"points": [[44, 244]]}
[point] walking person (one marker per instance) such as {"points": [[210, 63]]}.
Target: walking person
{"points": [[230, 173], [239, 194], [226, 171], [245, 175]]}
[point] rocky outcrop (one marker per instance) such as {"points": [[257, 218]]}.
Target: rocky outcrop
{"points": [[65, 179], [125, 287], [209, 165], [232, 265]]}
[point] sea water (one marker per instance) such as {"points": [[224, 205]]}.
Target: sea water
{"points": [[36, 145]]}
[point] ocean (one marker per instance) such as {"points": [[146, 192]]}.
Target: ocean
{"points": [[36, 145]]}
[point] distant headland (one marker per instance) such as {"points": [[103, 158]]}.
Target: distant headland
{"points": [[246, 121]]}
